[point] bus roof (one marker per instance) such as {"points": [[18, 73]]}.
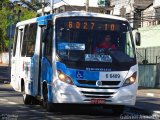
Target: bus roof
{"points": [[89, 14], [72, 14], [33, 20]]}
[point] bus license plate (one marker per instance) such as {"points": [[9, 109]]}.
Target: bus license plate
{"points": [[98, 101]]}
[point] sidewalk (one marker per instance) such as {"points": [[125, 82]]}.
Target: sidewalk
{"points": [[149, 93], [148, 100], [3, 65]]}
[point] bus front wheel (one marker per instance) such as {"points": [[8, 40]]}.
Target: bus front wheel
{"points": [[46, 103]]}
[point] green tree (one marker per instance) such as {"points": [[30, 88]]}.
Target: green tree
{"points": [[5, 23]]}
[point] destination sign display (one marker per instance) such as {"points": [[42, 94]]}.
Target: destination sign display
{"points": [[88, 24]]}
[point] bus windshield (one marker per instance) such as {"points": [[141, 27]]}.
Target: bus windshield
{"points": [[94, 39]]}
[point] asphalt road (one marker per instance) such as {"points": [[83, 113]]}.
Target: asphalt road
{"points": [[12, 108]]}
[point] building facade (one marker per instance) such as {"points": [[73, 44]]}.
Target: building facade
{"points": [[151, 15], [97, 6], [131, 9]]}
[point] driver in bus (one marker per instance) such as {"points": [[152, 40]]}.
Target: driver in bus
{"points": [[106, 44]]}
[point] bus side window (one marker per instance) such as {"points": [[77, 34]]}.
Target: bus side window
{"points": [[48, 43], [15, 42], [28, 46]]}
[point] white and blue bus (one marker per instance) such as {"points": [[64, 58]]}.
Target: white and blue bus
{"points": [[56, 59]]}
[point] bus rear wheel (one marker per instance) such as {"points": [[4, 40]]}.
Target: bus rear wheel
{"points": [[28, 99]]}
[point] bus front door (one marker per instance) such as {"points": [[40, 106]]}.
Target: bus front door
{"points": [[16, 59]]}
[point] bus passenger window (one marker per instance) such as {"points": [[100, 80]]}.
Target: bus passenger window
{"points": [[15, 42], [48, 43], [28, 46]]}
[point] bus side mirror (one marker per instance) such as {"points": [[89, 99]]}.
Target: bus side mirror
{"points": [[138, 38]]}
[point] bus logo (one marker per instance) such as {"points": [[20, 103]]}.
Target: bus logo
{"points": [[99, 83]]}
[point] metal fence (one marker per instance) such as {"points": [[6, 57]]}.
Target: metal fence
{"points": [[149, 55], [149, 66], [147, 76]]}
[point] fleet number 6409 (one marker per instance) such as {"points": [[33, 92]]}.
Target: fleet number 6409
{"points": [[112, 75]]}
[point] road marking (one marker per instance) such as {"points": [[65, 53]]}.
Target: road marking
{"points": [[150, 94], [158, 112], [12, 103], [22, 106], [6, 100], [3, 100]]}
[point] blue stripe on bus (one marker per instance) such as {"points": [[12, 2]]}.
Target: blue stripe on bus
{"points": [[50, 95], [32, 76], [42, 23], [43, 18], [73, 73], [46, 70], [61, 66], [47, 76]]}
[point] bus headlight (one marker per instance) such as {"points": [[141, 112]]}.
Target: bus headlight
{"points": [[64, 78], [130, 80]]}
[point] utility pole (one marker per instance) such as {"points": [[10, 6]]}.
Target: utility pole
{"points": [[10, 18], [87, 5], [52, 6], [10, 38], [43, 7]]}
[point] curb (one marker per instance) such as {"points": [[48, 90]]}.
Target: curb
{"points": [[4, 65], [4, 87], [149, 94]]}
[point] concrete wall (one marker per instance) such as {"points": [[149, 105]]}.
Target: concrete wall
{"points": [[4, 58], [151, 16]]}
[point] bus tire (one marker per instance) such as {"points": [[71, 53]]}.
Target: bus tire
{"points": [[27, 99], [49, 107], [46, 104]]}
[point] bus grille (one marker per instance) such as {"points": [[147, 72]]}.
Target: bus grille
{"points": [[97, 94], [91, 82]]}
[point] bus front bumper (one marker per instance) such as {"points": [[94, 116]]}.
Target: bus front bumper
{"points": [[65, 93]]}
